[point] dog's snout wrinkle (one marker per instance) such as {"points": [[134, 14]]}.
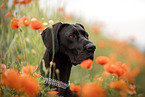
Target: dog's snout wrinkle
{"points": [[90, 47]]}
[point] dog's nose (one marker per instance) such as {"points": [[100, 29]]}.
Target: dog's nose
{"points": [[90, 47]]}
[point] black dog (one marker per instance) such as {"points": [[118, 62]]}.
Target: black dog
{"points": [[71, 47]]}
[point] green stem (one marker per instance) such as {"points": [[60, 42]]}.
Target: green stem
{"points": [[53, 45], [11, 44], [53, 71], [24, 44], [51, 64], [53, 51]]}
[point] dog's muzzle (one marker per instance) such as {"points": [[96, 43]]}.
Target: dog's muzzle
{"points": [[90, 47]]}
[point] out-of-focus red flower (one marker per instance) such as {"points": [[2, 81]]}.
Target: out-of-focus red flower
{"points": [[8, 14], [116, 68], [52, 93], [37, 75], [121, 86], [17, 96], [102, 44], [96, 29], [15, 23], [122, 70], [112, 57], [21, 2], [18, 58], [131, 75], [2, 75], [24, 2], [118, 85], [87, 64], [29, 85], [27, 69], [75, 88], [132, 38], [60, 8], [2, 79], [20, 82], [96, 78], [93, 90], [102, 60], [37, 25], [111, 68], [68, 16], [15, 2], [2, 5], [25, 21], [10, 77], [2, 67], [131, 89], [105, 74]]}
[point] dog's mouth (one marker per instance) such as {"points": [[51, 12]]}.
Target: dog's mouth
{"points": [[91, 57], [79, 60]]}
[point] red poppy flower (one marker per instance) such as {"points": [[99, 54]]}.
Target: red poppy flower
{"points": [[15, 23], [116, 68], [27, 69], [8, 14], [2, 67], [102, 60], [131, 75], [112, 57], [37, 25], [93, 90], [131, 89], [96, 29], [29, 85], [111, 68], [2, 5], [15, 2], [60, 9], [10, 77], [68, 16], [105, 74], [121, 86], [25, 21], [19, 58], [118, 84], [87, 64], [122, 69], [23, 82], [75, 88], [37, 75], [24, 2], [52, 93], [96, 78]]}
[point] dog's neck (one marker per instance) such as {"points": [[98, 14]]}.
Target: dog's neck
{"points": [[63, 64]]}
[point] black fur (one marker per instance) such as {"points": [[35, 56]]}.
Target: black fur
{"points": [[71, 48]]}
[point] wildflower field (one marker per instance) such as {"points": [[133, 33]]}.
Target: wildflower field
{"points": [[118, 68]]}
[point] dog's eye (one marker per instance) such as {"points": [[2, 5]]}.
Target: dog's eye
{"points": [[86, 36], [71, 36]]}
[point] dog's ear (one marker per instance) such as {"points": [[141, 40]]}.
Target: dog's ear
{"points": [[80, 25], [47, 37]]}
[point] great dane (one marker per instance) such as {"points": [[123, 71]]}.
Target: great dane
{"points": [[71, 46]]}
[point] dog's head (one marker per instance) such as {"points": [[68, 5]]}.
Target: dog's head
{"points": [[71, 40]]}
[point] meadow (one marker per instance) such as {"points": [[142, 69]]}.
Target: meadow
{"points": [[117, 70]]}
